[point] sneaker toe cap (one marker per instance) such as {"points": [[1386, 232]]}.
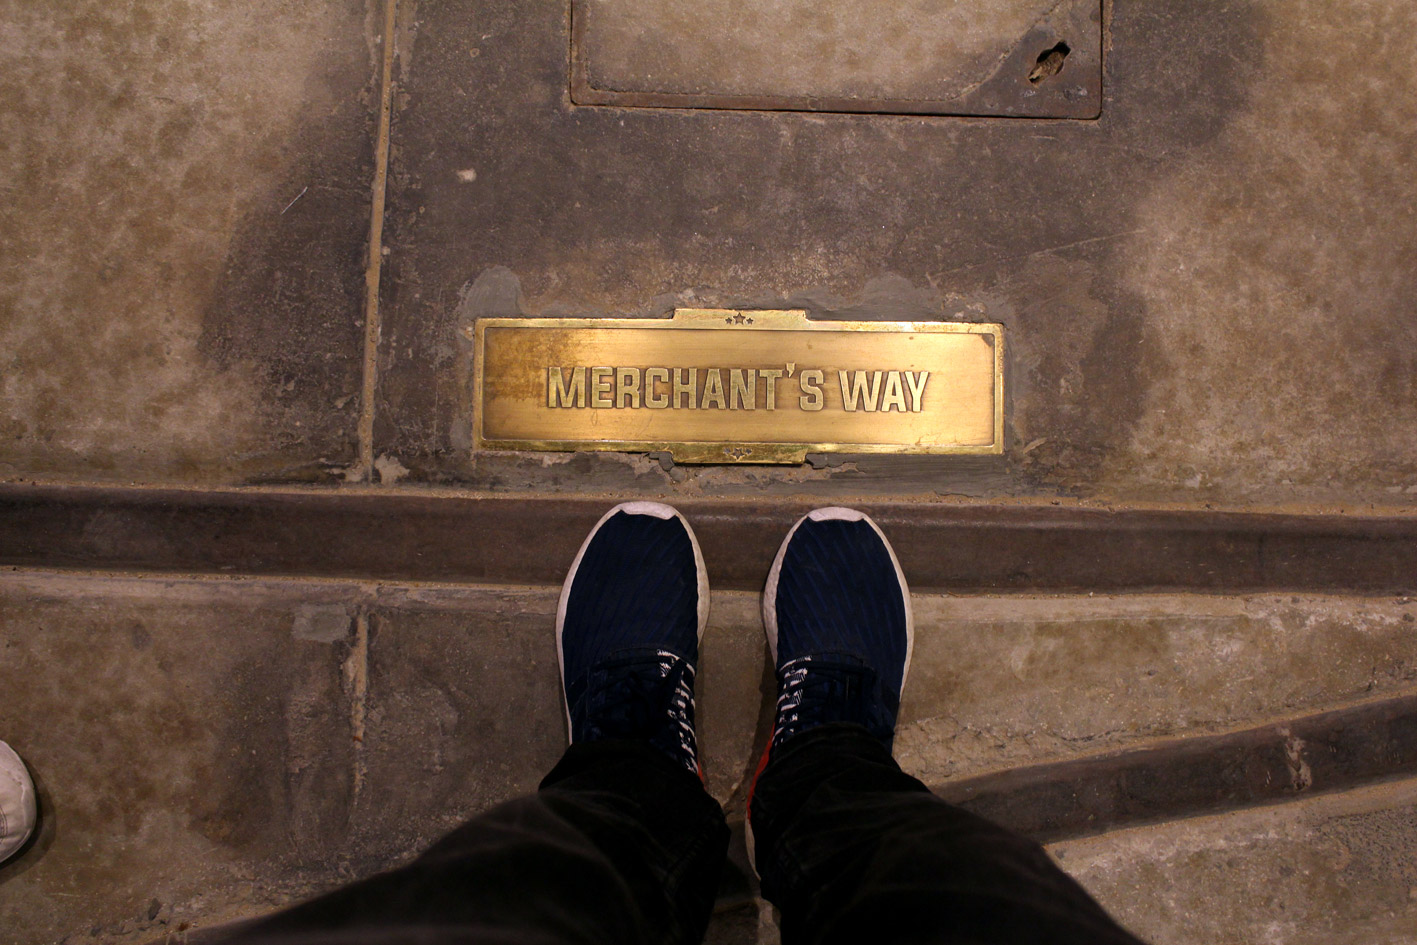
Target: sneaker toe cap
{"points": [[17, 802]]}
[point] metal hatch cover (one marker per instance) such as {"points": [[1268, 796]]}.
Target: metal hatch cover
{"points": [[1019, 58]]}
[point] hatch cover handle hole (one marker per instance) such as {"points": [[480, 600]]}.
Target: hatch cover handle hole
{"points": [[1050, 63]]}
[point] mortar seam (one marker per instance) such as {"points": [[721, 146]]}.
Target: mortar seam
{"points": [[357, 674], [374, 271]]}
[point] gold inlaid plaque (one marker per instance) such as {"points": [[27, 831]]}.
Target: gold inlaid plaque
{"points": [[738, 386]]}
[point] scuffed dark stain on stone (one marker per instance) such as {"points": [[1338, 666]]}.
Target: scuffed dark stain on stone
{"points": [[290, 300]]}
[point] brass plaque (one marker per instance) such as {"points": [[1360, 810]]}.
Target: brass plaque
{"points": [[731, 386]]}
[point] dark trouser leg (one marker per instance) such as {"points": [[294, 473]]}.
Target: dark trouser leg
{"points": [[620, 845], [851, 849]]}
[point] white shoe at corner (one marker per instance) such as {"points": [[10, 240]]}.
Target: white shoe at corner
{"points": [[17, 808]]}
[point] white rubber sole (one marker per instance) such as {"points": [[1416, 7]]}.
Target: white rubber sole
{"points": [[17, 803], [657, 510]]}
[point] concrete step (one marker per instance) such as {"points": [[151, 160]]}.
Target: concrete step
{"points": [[1327, 870], [208, 749], [402, 535]]}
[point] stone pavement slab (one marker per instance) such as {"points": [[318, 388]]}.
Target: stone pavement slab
{"points": [[186, 206], [191, 747]]}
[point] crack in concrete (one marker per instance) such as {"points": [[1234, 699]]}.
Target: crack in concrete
{"points": [[356, 676]]}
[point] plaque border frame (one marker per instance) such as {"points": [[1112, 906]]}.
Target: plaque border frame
{"points": [[702, 452]]}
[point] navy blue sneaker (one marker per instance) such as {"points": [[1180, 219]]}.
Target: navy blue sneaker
{"points": [[837, 613], [628, 625]]}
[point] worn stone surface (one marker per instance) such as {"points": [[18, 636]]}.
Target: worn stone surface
{"points": [[999, 682], [190, 743], [463, 711], [182, 237], [1335, 869], [1206, 291]]}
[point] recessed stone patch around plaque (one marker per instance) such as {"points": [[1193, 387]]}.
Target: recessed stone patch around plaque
{"points": [[1024, 58], [738, 386]]}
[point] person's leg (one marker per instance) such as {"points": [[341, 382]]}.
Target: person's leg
{"points": [[852, 849], [621, 844], [848, 846]]}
